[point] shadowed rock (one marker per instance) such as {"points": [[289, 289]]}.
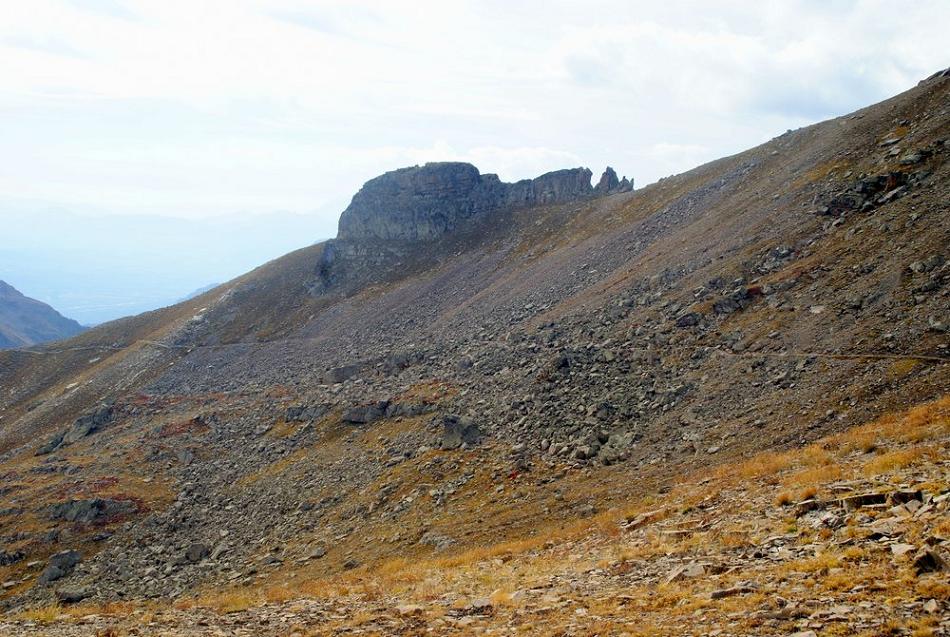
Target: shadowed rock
{"points": [[59, 566], [457, 431], [86, 511]]}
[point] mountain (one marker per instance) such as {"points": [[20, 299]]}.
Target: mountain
{"points": [[135, 273], [25, 321], [485, 405], [199, 292]]}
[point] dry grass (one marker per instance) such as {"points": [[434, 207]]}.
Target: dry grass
{"points": [[230, 601], [898, 459], [797, 475], [42, 615], [501, 570]]}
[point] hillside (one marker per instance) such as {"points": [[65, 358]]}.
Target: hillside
{"points": [[25, 321], [472, 364]]}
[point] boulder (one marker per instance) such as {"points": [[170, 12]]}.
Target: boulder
{"points": [[51, 445], [87, 511], [457, 431], [11, 557], [196, 552], [365, 414], [59, 566], [72, 595], [89, 424], [689, 319]]}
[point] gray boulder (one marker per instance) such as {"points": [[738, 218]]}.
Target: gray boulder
{"points": [[87, 511], [457, 431], [365, 414], [59, 566], [11, 557], [51, 445], [196, 552], [89, 424], [72, 595]]}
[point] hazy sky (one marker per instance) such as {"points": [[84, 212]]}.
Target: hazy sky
{"points": [[199, 108]]}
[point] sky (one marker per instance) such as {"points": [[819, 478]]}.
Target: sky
{"points": [[167, 124]]}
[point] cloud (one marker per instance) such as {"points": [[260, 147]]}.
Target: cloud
{"points": [[196, 108], [111, 8], [41, 45]]}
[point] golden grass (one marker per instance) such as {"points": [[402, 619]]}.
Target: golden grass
{"points": [[898, 459], [42, 615], [900, 368], [231, 600]]}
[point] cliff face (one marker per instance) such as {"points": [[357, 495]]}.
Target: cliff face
{"points": [[424, 202]]}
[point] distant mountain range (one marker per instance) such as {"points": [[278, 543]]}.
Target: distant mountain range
{"points": [[151, 261], [198, 292], [25, 321]]}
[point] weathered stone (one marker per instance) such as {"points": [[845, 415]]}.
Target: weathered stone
{"points": [[457, 431], [608, 182], [196, 552], [72, 595], [86, 511], [424, 202], [11, 557], [89, 424], [928, 560], [59, 566], [365, 414]]}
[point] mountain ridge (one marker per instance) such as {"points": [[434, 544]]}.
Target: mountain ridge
{"points": [[25, 321]]}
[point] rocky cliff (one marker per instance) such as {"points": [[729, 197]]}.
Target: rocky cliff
{"points": [[424, 202]]}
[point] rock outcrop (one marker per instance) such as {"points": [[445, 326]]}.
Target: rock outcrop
{"points": [[609, 184], [424, 202]]}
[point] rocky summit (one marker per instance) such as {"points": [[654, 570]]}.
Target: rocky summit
{"points": [[715, 402], [426, 202]]}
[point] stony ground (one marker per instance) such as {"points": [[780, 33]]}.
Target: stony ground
{"points": [[331, 428], [847, 536]]}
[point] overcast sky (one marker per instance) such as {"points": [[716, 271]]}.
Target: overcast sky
{"points": [[198, 108]]}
